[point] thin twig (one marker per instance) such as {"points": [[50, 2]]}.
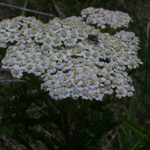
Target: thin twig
{"points": [[110, 141], [10, 81], [5, 70], [26, 9], [60, 13]]}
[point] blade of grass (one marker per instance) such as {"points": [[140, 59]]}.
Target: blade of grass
{"points": [[119, 139]]}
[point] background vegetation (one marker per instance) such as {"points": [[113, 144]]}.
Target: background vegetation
{"points": [[134, 132]]}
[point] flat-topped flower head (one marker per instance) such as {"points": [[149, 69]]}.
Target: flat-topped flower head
{"points": [[73, 58], [102, 17]]}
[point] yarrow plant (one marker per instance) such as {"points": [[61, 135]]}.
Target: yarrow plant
{"points": [[74, 68], [72, 56]]}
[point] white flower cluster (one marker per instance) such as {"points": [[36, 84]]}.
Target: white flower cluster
{"points": [[70, 63], [102, 17]]}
